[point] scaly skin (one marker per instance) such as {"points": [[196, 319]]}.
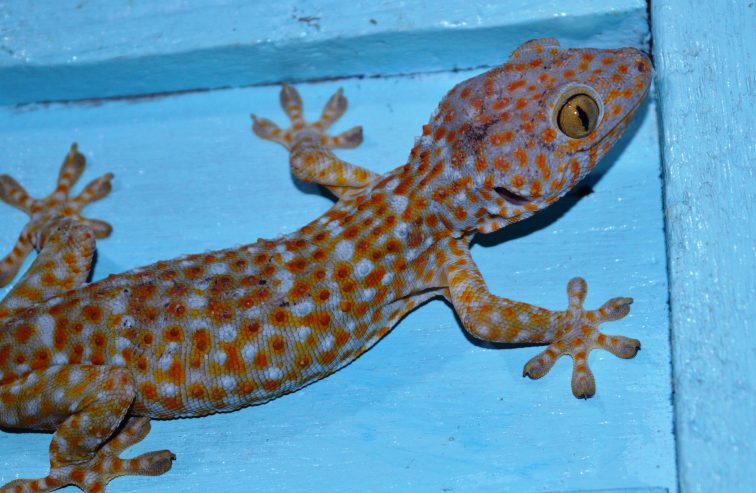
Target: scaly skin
{"points": [[227, 329]]}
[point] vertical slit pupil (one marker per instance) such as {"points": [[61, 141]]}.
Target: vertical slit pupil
{"points": [[583, 117]]}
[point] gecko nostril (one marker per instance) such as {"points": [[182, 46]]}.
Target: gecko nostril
{"points": [[641, 66]]}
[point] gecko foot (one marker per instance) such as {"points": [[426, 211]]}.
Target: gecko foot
{"points": [[93, 475], [580, 336], [56, 204], [291, 102]]}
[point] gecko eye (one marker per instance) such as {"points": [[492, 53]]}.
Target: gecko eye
{"points": [[578, 116]]}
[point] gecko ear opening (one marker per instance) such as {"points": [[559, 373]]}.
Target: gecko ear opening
{"points": [[537, 45]]}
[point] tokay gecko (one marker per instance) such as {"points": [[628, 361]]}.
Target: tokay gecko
{"points": [[218, 331]]}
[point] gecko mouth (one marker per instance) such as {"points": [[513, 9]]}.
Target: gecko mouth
{"points": [[510, 196]]}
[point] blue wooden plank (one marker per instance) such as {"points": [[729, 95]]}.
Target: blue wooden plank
{"points": [[425, 410], [68, 49], [705, 68]]}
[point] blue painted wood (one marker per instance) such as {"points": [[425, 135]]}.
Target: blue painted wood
{"points": [[425, 410], [69, 49], [705, 68]]}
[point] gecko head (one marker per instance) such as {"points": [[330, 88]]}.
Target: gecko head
{"points": [[520, 136]]}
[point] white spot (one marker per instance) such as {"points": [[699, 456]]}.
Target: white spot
{"points": [[367, 294], [46, 325], [118, 305], [334, 227], [122, 343], [401, 230], [273, 373], [165, 361], [75, 376], [195, 301], [227, 333], [117, 360], [168, 389], [58, 396], [220, 357], [344, 250], [228, 383], [391, 184], [363, 267], [301, 333], [326, 342], [287, 281], [248, 351], [217, 268], [31, 407], [301, 309], [398, 202]]}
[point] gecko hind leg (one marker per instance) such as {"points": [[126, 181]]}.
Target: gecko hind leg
{"points": [[582, 337], [85, 447]]}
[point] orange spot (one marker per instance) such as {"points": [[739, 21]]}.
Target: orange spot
{"points": [[201, 341], [500, 104], [521, 103], [250, 329], [568, 74], [521, 156], [375, 277], [279, 317], [149, 391], [548, 135], [518, 181], [173, 333], [261, 360], [197, 391], [176, 372], [92, 313], [220, 311], [516, 84], [271, 385], [24, 332], [535, 188], [501, 138], [501, 164]]}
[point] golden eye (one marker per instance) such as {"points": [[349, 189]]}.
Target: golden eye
{"points": [[578, 116]]}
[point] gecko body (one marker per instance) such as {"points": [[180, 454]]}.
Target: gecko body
{"points": [[221, 330]]}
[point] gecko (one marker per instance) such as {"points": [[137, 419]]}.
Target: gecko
{"points": [[213, 332]]}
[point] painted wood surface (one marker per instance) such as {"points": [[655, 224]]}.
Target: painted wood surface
{"points": [[426, 409], [74, 49], [706, 74]]}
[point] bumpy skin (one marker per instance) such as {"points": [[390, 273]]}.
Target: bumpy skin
{"points": [[222, 330]]}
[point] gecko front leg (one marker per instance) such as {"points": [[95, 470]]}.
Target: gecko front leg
{"points": [[573, 331], [310, 147], [57, 230]]}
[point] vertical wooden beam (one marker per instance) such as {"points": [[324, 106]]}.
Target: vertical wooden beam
{"points": [[704, 54]]}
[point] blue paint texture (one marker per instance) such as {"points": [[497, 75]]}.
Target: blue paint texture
{"points": [[426, 409], [707, 86]]}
